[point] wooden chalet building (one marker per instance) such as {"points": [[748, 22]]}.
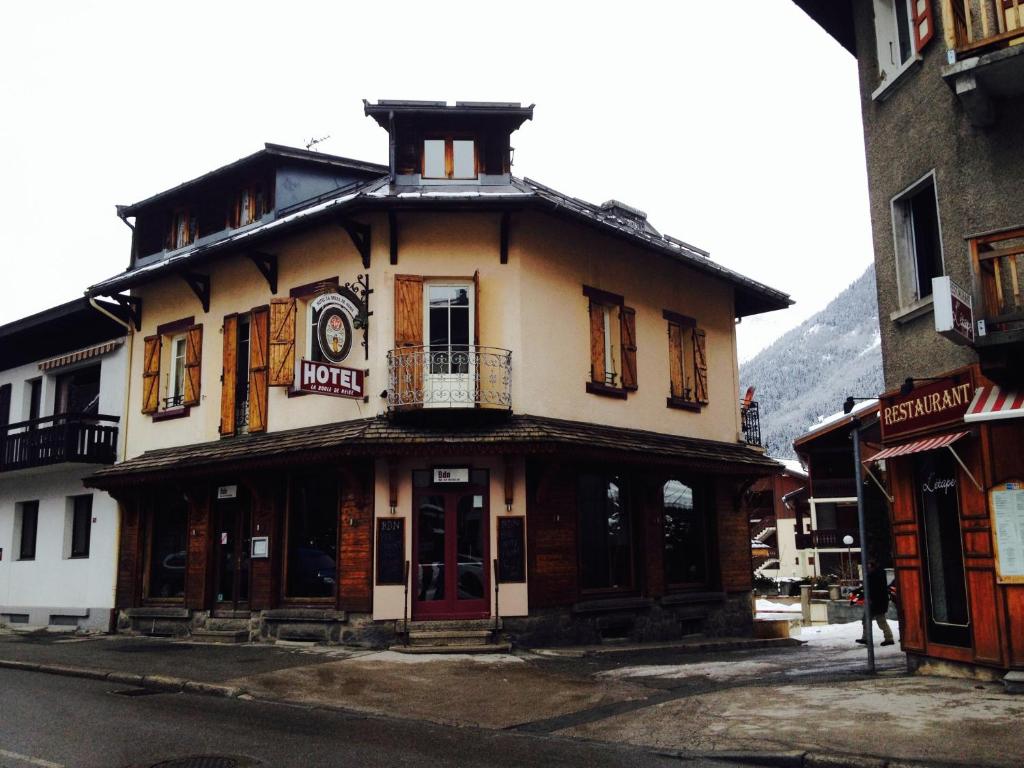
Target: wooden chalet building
{"points": [[363, 396]]}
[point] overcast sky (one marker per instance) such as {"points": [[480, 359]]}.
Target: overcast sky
{"points": [[735, 125]]}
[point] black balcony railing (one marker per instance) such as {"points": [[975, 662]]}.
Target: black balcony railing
{"points": [[831, 539], [83, 438], [465, 376], [751, 419]]}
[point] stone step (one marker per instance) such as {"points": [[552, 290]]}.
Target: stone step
{"points": [[220, 636], [228, 625], [452, 625], [450, 637], [442, 649]]}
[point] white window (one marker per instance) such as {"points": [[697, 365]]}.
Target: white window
{"points": [[892, 36], [176, 384], [447, 158], [918, 240], [448, 326]]}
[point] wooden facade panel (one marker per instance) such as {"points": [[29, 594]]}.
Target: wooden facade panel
{"points": [[129, 563], [1006, 457], [199, 561], [259, 368], [264, 571], [981, 590], [356, 554], [597, 371], [978, 543], [1015, 622], [901, 482], [908, 586], [651, 502], [151, 375], [627, 320], [906, 544], [551, 534], [733, 539], [282, 342]]}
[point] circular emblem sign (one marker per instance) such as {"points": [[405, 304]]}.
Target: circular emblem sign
{"points": [[334, 333]]}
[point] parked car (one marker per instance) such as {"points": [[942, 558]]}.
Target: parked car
{"points": [[857, 596]]}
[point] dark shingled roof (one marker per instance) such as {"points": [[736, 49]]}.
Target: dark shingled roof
{"points": [[381, 437]]}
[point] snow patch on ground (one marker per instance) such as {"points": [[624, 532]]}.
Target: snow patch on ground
{"points": [[393, 657], [713, 670], [767, 606]]}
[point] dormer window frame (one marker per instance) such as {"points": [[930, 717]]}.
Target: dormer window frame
{"points": [[449, 138], [183, 230]]}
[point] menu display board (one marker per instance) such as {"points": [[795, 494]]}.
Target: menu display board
{"points": [[391, 550], [511, 551], [1007, 504]]}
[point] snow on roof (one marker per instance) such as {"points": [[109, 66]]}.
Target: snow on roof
{"points": [[835, 418], [793, 466]]}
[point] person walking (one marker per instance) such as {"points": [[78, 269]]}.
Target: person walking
{"points": [[877, 585]]}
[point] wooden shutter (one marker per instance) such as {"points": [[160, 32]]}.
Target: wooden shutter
{"points": [[476, 307], [282, 342], [193, 364], [408, 335], [675, 360], [151, 375], [597, 372], [259, 364], [923, 21], [627, 329], [700, 367], [228, 375]]}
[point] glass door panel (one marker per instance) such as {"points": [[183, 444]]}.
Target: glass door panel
{"points": [[430, 549], [470, 547], [449, 361]]}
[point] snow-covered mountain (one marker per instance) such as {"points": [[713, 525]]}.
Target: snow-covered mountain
{"points": [[805, 375]]}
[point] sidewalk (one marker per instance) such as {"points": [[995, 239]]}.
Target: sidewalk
{"points": [[766, 702]]}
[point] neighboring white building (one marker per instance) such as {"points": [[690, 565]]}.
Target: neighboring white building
{"points": [[62, 390]]}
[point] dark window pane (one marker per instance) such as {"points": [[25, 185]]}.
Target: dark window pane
{"points": [[903, 30], [312, 537], [81, 526], [927, 248], [168, 547], [430, 549], [685, 545], [79, 391], [29, 527], [944, 554], [470, 547], [606, 536]]}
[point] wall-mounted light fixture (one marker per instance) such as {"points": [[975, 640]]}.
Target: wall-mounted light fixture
{"points": [[393, 489], [908, 383], [510, 484]]}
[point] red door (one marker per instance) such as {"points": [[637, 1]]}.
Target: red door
{"points": [[451, 573]]}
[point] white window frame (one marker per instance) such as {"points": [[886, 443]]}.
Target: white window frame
{"points": [[449, 379], [905, 248], [174, 386], [887, 41]]}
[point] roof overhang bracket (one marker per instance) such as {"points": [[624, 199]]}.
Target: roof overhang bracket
{"points": [[266, 263], [200, 285], [393, 234], [965, 469], [360, 234], [131, 304], [504, 236]]}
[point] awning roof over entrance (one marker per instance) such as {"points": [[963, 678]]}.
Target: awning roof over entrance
{"points": [[918, 446], [992, 403]]}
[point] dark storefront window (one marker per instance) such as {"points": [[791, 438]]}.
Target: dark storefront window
{"points": [[168, 548], [606, 533], [945, 583], [312, 537], [684, 531], [29, 519], [81, 525]]}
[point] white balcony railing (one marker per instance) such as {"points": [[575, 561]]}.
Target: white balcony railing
{"points": [[457, 376]]}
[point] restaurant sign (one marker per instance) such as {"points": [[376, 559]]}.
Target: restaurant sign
{"points": [[954, 312], [327, 379], [926, 407]]}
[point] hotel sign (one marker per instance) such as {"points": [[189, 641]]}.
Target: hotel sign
{"points": [[954, 312], [928, 406], [327, 379]]}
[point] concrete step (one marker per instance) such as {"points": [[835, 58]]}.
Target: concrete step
{"points": [[450, 637], [228, 625], [454, 625], [441, 649], [220, 636]]}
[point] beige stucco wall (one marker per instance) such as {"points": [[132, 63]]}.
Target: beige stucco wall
{"points": [[388, 599], [533, 305]]}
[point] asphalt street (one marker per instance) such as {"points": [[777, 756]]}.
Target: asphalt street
{"points": [[50, 722]]}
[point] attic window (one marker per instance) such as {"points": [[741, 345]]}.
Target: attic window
{"points": [[183, 230], [248, 206], [449, 158]]}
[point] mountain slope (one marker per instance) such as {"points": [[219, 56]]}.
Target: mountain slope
{"points": [[807, 373]]}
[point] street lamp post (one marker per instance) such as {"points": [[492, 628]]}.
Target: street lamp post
{"points": [[848, 541], [868, 637]]}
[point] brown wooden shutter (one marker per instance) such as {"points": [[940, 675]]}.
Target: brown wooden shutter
{"points": [[151, 375], [675, 359], [627, 326], [193, 364], [476, 307], [597, 372], [923, 21], [259, 364], [409, 336], [700, 367], [228, 375], [282, 342]]}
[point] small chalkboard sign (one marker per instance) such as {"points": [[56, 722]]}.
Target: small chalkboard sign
{"points": [[390, 550], [511, 550]]}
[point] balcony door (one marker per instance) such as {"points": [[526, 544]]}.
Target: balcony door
{"points": [[449, 364]]}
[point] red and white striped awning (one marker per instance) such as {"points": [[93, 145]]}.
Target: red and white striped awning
{"points": [[81, 354], [918, 446], [991, 403]]}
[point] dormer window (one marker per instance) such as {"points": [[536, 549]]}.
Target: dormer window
{"points": [[183, 230], [248, 206], [449, 158]]}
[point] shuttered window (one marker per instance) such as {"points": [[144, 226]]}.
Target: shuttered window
{"points": [[193, 364], [688, 369], [613, 369], [171, 395], [246, 372], [259, 368], [151, 375], [282, 342], [408, 339]]}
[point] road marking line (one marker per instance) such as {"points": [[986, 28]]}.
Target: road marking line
{"points": [[30, 760]]}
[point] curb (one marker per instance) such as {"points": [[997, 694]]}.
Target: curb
{"points": [[710, 646], [801, 759], [164, 683]]}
